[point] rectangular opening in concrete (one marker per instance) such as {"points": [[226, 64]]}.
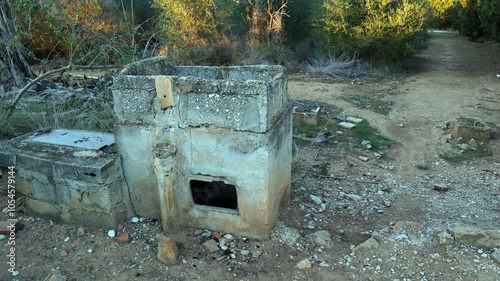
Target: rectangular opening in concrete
{"points": [[214, 194]]}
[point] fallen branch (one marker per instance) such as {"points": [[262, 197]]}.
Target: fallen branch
{"points": [[401, 144], [11, 106]]}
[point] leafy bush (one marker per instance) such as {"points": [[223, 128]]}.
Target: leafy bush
{"points": [[440, 10], [384, 31], [472, 18]]}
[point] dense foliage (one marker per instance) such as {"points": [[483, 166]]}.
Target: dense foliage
{"points": [[242, 32], [476, 19], [384, 31]]}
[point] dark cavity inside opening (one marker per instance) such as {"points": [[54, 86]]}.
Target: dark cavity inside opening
{"points": [[214, 194]]}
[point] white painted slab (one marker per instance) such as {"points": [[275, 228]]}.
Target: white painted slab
{"points": [[75, 138]]}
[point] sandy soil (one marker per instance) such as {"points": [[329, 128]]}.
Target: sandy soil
{"points": [[453, 78]]}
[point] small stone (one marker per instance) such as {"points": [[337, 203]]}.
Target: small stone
{"points": [[387, 203], [245, 252], [90, 251], [216, 235], [210, 246], [368, 146], [363, 158], [65, 240], [15, 273], [80, 231], [445, 238], [134, 220], [228, 236], [168, 251], [111, 233], [354, 197], [315, 199], [55, 275], [197, 232], [5, 210], [441, 187], [322, 237], [124, 238], [64, 253], [377, 155], [401, 125], [224, 247], [324, 264], [2, 237], [473, 143], [304, 264]]}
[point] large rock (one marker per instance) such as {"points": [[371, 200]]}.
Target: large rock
{"points": [[475, 235], [168, 251], [369, 244]]}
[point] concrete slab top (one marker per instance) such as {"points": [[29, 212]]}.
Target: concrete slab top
{"points": [[76, 138]]}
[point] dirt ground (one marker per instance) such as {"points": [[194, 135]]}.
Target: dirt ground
{"points": [[390, 198]]}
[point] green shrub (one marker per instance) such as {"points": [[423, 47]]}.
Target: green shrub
{"points": [[383, 31]]}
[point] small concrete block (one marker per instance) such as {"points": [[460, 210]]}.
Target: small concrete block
{"points": [[164, 91], [347, 125], [210, 246], [470, 128], [168, 251]]}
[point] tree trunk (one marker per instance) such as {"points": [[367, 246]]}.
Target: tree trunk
{"points": [[13, 64]]}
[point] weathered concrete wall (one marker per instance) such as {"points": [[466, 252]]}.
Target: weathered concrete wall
{"points": [[68, 184], [230, 124]]}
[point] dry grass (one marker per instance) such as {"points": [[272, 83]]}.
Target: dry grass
{"points": [[338, 67]]}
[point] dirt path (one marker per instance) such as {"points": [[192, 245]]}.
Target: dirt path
{"points": [[453, 78], [385, 221]]}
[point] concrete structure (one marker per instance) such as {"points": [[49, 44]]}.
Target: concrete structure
{"points": [[67, 183], [470, 128], [212, 143], [209, 147]]}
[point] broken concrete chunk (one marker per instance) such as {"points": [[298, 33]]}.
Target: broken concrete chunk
{"points": [[210, 246], [304, 264], [347, 125]]}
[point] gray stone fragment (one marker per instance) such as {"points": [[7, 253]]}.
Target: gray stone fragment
{"points": [[322, 237], [315, 199]]}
